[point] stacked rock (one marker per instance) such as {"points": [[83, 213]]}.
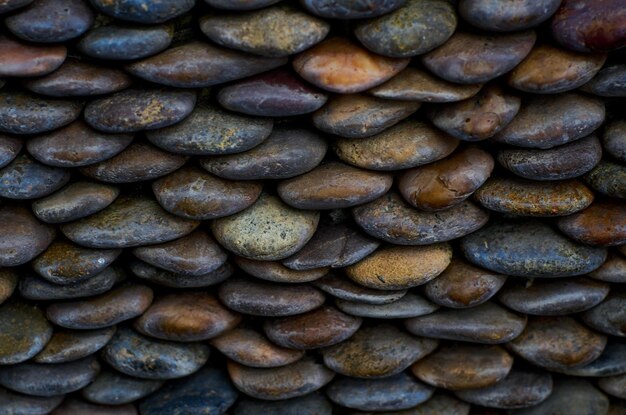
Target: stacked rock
{"points": [[410, 207]]}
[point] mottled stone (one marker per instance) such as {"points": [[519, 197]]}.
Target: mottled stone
{"points": [[614, 139], [267, 230], [8, 283], [322, 327], [142, 11], [463, 285], [410, 305], [548, 121], [24, 332], [487, 323], [22, 236], [34, 287], [613, 269], [286, 153], [185, 317], [277, 272], [127, 222], [464, 366], [240, 4], [121, 42], [344, 289], [74, 406], [343, 66], [290, 381], [26, 60], [609, 316], [25, 178], [199, 64], [505, 17], [312, 404], [608, 178], [602, 223], [23, 113], [611, 362], [614, 385], [113, 388], [10, 147], [529, 249], [139, 356], [553, 297], [350, 9], [171, 279], [18, 404], [558, 163], [393, 393], [70, 345], [570, 396], [609, 82], [139, 109], [409, 144]]}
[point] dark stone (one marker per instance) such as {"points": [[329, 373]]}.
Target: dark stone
{"points": [[10, 147], [25, 178], [609, 316], [24, 332], [171, 279], [311, 404], [570, 396], [19, 404], [8, 283], [609, 82], [120, 42], [439, 404], [608, 178], [602, 223], [410, 305], [240, 4], [614, 385], [504, 17], [613, 269], [74, 406], [26, 60], [22, 113], [113, 388], [34, 287], [70, 345], [277, 272], [142, 11], [344, 289], [614, 139], [350, 9], [9, 5], [22, 236], [611, 362]]}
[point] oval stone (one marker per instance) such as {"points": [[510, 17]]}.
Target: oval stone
{"points": [[614, 385], [142, 11], [440, 403], [350, 9], [128, 222], [70, 345], [469, 58], [602, 223], [171, 279], [25, 178], [276, 31], [415, 28], [410, 305], [24, 332], [8, 283], [344, 289], [609, 316], [611, 362], [74, 406], [614, 139], [240, 4], [268, 230], [139, 109], [34, 287], [558, 163], [408, 144], [113, 388], [609, 82], [125, 42], [139, 356], [343, 66], [529, 249], [185, 317], [613, 269], [464, 366], [608, 178], [17, 403], [277, 272], [26, 60], [504, 17], [8, 5], [10, 147], [200, 64], [572, 396], [23, 113], [312, 404], [22, 236], [286, 153]]}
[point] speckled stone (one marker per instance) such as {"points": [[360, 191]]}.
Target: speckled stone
{"points": [[276, 31], [410, 305], [113, 388], [24, 332], [609, 316], [613, 269], [343, 66], [609, 82], [171, 279], [614, 139], [290, 381], [558, 163], [19, 404], [10, 147], [608, 178], [185, 317], [611, 362], [415, 84], [377, 352], [74, 406], [8, 283], [548, 121], [415, 28], [128, 222], [66, 263], [504, 17], [240, 4], [139, 109], [344, 289], [550, 70], [529, 249], [25, 178], [286, 153], [200, 64], [553, 297], [312, 404], [558, 342], [322, 327], [251, 348], [70, 345], [26, 60], [125, 42], [478, 117], [393, 393], [34, 287], [349, 9], [8, 5], [22, 236], [277, 272], [142, 11], [139, 356], [267, 230], [614, 385], [463, 285], [446, 183], [206, 392], [469, 58], [24, 113], [602, 223], [405, 145], [464, 366], [42, 379], [487, 323], [393, 220], [439, 404], [570, 396], [261, 298]]}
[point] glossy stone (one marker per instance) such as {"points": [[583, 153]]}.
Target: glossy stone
{"points": [[553, 297], [611, 362], [34, 287], [19, 404], [251, 348], [415, 28], [322, 327], [113, 388], [609, 82], [344, 289], [602, 223], [260, 298], [469, 58], [24, 332], [74, 406], [26, 60], [139, 356], [614, 139], [278, 93], [439, 404], [608, 178], [139, 109], [571, 396], [550, 70], [548, 121], [22, 236], [286, 153], [69, 345], [185, 317], [277, 31], [504, 17], [240, 4], [341, 65], [487, 323], [463, 285], [23, 113], [410, 305], [200, 64], [128, 222], [8, 283], [529, 249], [613, 269], [478, 117], [349, 9], [121, 42], [25, 178], [614, 385], [408, 144], [609, 316], [464, 366], [558, 163], [142, 11], [171, 279], [10, 147], [312, 404], [277, 272], [8, 5], [267, 230]]}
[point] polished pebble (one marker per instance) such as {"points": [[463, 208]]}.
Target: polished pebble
{"points": [[506, 17], [609, 316], [608, 178], [24, 113], [8, 283], [113, 388], [349, 9], [614, 385], [344, 289], [410, 305], [10, 147], [613, 269], [26, 178], [602, 223], [70, 345], [614, 139], [34, 287], [171, 279], [142, 11], [125, 42], [20, 404], [74, 406], [24, 332], [9, 5], [609, 82], [277, 272], [438, 404], [311, 404], [22, 236], [26, 60], [611, 362], [570, 396]]}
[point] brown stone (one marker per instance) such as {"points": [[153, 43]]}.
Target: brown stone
{"points": [[343, 288], [602, 223], [8, 283], [614, 385], [70, 345], [26, 60], [24, 332], [613, 269], [277, 272], [22, 236]]}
